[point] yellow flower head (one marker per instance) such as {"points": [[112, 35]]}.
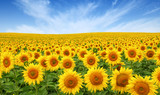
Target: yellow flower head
{"points": [[32, 74], [70, 82], [96, 79]]}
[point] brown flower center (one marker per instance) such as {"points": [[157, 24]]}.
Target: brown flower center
{"points": [[82, 54], [67, 63], [57, 52], [150, 54], [132, 53], [43, 63], [141, 88], [119, 49], [122, 80], [159, 56], [53, 62], [113, 56], [24, 58], [96, 78], [103, 54], [6, 62], [36, 55], [70, 81], [33, 73], [91, 60], [143, 48], [158, 77], [66, 52], [48, 53]]}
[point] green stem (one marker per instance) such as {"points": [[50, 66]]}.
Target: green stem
{"points": [[15, 81], [0, 86], [36, 89], [131, 64], [46, 79]]}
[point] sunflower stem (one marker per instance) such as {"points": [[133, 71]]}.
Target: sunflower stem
{"points": [[131, 64], [46, 79], [0, 86], [36, 89], [15, 81]]}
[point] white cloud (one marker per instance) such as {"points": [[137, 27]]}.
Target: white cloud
{"points": [[114, 2], [152, 11], [25, 29], [78, 19], [140, 25]]}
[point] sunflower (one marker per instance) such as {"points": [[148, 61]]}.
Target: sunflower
{"points": [[53, 62], [32, 74], [7, 62], [58, 51], [120, 65], [22, 58], [66, 51], [36, 55], [67, 63], [42, 62], [141, 86], [70, 82], [132, 54], [150, 54], [113, 57], [90, 60], [143, 47], [82, 53], [103, 54], [47, 53], [96, 79], [140, 56], [119, 79], [156, 76], [157, 57]]}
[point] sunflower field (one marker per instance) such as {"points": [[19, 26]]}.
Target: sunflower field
{"points": [[80, 64]]}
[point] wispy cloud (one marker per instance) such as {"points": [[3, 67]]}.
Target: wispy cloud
{"points": [[77, 19], [140, 25], [152, 11], [114, 2]]}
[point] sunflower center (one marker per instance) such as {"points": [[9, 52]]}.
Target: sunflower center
{"points": [[6, 62], [159, 56], [67, 64], [53, 62], [33, 73], [142, 48], [103, 54], [96, 78], [132, 53], [70, 81], [82, 54], [150, 54], [158, 77], [141, 88], [36, 55], [140, 56], [119, 49], [66, 52], [24, 58], [91, 60], [43, 63], [113, 56], [57, 52], [48, 53], [122, 80]]}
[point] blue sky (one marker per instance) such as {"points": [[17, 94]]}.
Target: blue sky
{"points": [[79, 16]]}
